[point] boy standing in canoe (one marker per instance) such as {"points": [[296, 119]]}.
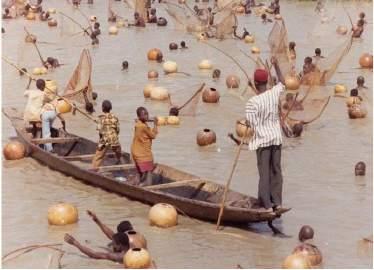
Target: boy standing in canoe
{"points": [[141, 148], [108, 127]]}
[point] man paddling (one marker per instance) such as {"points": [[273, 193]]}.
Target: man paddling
{"points": [[262, 113]]}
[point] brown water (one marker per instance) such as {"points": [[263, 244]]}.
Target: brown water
{"points": [[318, 168]]}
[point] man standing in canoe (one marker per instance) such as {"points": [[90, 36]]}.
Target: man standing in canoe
{"points": [[141, 148], [263, 115]]}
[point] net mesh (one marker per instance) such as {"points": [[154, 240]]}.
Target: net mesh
{"points": [[278, 43], [79, 87], [186, 19]]}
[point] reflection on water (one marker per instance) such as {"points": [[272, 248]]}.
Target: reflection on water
{"points": [[318, 168]]}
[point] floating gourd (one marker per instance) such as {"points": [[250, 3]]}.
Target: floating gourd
{"points": [[206, 137], [313, 254], [62, 214], [210, 95], [136, 240], [159, 93], [36, 71], [113, 30], [170, 67], [341, 30], [249, 39], [52, 23], [162, 120], [366, 60], [137, 258], [278, 17], [93, 18], [147, 90], [30, 38], [355, 112], [43, 70], [63, 106], [232, 81], [173, 120], [173, 46], [255, 49], [340, 89], [205, 64], [296, 261], [242, 130], [51, 10], [292, 82], [239, 9], [30, 16], [14, 150], [120, 23], [152, 74], [154, 54], [163, 215]]}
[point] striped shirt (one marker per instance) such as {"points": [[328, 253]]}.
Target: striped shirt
{"points": [[262, 112]]}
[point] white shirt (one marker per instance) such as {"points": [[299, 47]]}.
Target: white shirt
{"points": [[262, 112], [34, 105]]}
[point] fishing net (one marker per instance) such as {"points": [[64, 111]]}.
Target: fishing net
{"points": [[140, 7], [227, 4], [79, 87], [326, 67], [278, 43], [189, 108], [185, 18], [72, 31], [225, 21]]}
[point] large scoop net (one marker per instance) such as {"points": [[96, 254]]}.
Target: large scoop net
{"points": [[79, 87]]}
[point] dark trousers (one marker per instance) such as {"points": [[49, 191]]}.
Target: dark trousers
{"points": [[270, 171]]}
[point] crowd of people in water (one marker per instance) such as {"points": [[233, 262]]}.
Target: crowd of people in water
{"points": [[42, 109]]}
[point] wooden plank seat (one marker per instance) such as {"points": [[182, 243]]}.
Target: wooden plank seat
{"points": [[116, 167], [174, 184], [55, 140], [87, 156]]}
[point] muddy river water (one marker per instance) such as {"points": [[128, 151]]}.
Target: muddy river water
{"points": [[318, 168]]}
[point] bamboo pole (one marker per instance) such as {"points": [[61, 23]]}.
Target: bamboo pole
{"points": [[229, 181]]}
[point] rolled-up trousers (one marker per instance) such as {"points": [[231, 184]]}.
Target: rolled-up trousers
{"points": [[270, 171]]}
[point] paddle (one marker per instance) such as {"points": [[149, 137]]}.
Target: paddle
{"points": [[229, 181]]}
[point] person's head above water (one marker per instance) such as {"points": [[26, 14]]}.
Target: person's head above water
{"points": [[297, 129], [317, 51], [361, 22], [124, 226], [263, 16], [106, 106], [306, 232], [96, 25], [362, 15], [40, 84], [183, 44], [308, 60], [136, 15], [354, 93], [153, 11], [360, 168], [120, 242], [360, 80], [125, 65], [89, 107], [292, 45], [94, 95], [142, 114]]}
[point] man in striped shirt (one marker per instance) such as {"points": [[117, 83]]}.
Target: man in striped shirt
{"points": [[262, 113]]}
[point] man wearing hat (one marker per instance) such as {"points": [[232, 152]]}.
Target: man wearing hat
{"points": [[262, 113]]}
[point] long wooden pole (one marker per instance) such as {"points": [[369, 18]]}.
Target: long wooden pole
{"points": [[229, 181], [33, 79]]}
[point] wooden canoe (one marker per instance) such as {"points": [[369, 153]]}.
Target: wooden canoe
{"points": [[190, 194]]}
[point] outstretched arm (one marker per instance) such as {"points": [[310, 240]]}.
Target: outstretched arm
{"points": [[274, 61], [105, 229], [115, 257]]}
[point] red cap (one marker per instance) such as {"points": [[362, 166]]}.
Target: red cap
{"points": [[260, 75]]}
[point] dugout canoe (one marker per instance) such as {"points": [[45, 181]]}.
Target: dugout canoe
{"points": [[194, 196]]}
